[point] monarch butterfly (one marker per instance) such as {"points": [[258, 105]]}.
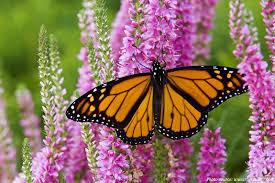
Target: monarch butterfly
{"points": [[175, 102]]}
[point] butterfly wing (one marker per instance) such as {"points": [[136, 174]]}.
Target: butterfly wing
{"points": [[112, 104], [190, 93], [140, 129], [125, 104], [206, 87], [178, 117]]}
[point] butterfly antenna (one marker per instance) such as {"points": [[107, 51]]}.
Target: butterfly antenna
{"points": [[137, 59], [140, 62]]}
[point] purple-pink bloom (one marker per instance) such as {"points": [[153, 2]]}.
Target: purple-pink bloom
{"points": [[268, 13], [117, 34], [77, 161], [85, 81], [87, 24], [212, 156], [179, 154], [131, 51], [7, 151], [20, 178], [261, 87], [44, 168], [111, 154], [48, 162], [111, 166], [142, 160], [204, 13], [30, 121]]}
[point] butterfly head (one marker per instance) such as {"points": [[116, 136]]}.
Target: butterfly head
{"points": [[158, 66]]}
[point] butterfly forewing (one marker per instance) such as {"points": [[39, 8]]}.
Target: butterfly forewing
{"points": [[113, 103], [206, 87]]}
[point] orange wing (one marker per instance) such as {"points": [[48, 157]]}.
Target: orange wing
{"points": [[206, 87], [178, 118], [140, 129], [113, 104], [190, 93]]}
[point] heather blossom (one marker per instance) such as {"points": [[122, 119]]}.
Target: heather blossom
{"points": [[30, 121], [261, 89], [268, 7], [141, 155], [7, 152], [179, 154], [76, 163], [212, 156], [204, 11], [110, 166], [117, 34]]}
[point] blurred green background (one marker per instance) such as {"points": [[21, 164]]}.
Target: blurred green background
{"points": [[20, 21]]}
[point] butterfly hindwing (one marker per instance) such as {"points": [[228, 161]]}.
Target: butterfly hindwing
{"points": [[140, 128], [178, 118], [112, 104]]}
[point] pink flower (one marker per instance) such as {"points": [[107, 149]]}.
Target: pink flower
{"points": [[179, 154], [76, 163], [131, 50], [7, 152], [85, 81], [261, 87], [117, 34], [142, 160], [51, 159], [112, 167], [268, 7], [212, 156], [110, 153], [44, 167], [158, 30], [162, 31], [20, 178], [204, 12], [30, 121]]}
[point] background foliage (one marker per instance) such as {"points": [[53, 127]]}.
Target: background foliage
{"points": [[20, 22]]}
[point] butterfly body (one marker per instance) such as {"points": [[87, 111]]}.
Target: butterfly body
{"points": [[175, 102]]}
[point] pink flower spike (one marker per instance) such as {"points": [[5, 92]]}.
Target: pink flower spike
{"points": [[212, 156], [261, 87], [118, 33], [203, 13], [109, 163], [179, 154], [30, 121], [268, 12], [7, 151]]}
